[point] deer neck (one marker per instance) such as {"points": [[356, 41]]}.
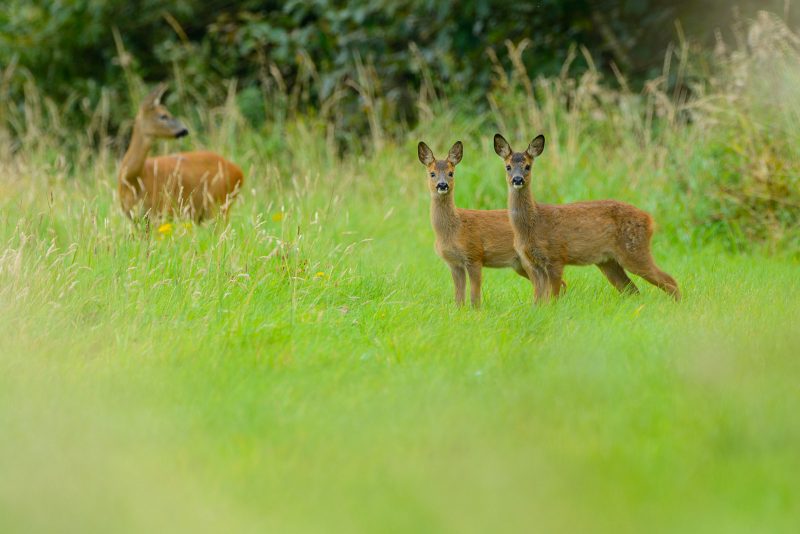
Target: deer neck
{"points": [[132, 166], [523, 211], [444, 216]]}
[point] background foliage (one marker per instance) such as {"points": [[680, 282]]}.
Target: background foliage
{"points": [[327, 49]]}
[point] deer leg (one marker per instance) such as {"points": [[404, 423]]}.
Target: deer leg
{"points": [[460, 283], [617, 276], [554, 274], [520, 271], [542, 287], [533, 274], [647, 269], [474, 271], [663, 281]]}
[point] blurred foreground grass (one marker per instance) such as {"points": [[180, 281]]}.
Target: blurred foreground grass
{"points": [[304, 370]]}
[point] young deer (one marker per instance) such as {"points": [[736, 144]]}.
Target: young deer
{"points": [[612, 235], [196, 184], [467, 240]]}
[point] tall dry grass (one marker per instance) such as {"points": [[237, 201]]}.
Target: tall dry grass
{"points": [[709, 143]]}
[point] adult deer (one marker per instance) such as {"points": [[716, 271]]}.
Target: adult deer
{"points": [[194, 184], [612, 235], [467, 240]]}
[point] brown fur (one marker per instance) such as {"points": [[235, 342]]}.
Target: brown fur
{"points": [[612, 235], [467, 240], [197, 184]]}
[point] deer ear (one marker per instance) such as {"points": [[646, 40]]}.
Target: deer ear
{"points": [[456, 153], [425, 154], [154, 98], [536, 147], [501, 146]]}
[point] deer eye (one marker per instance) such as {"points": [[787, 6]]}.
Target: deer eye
{"points": [[163, 117], [508, 167], [450, 174], [433, 175], [527, 167]]}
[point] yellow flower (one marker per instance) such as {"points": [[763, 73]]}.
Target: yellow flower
{"points": [[277, 217], [320, 274], [165, 229]]}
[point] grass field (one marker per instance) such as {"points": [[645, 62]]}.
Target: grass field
{"points": [[303, 368]]}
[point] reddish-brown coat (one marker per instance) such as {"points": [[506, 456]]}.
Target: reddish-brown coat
{"points": [[613, 235], [194, 184], [467, 240]]}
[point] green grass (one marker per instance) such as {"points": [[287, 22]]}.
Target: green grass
{"points": [[305, 369]]}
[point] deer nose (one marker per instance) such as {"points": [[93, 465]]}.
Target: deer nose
{"points": [[442, 187], [182, 133], [517, 181]]}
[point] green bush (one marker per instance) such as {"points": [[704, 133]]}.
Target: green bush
{"points": [[322, 50]]}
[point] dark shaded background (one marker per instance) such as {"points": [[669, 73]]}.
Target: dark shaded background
{"points": [[68, 49]]}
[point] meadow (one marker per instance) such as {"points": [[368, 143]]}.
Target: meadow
{"points": [[302, 367]]}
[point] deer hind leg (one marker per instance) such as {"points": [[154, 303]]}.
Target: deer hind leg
{"points": [[617, 276], [664, 281], [474, 271], [459, 282], [647, 269]]}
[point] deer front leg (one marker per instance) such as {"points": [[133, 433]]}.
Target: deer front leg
{"points": [[554, 274], [548, 282], [535, 275], [542, 287], [474, 271], [460, 283]]}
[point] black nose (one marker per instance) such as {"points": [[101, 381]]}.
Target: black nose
{"points": [[517, 180], [182, 133], [442, 186]]}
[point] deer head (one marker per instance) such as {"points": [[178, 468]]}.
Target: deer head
{"points": [[441, 172], [155, 120], [518, 164]]}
